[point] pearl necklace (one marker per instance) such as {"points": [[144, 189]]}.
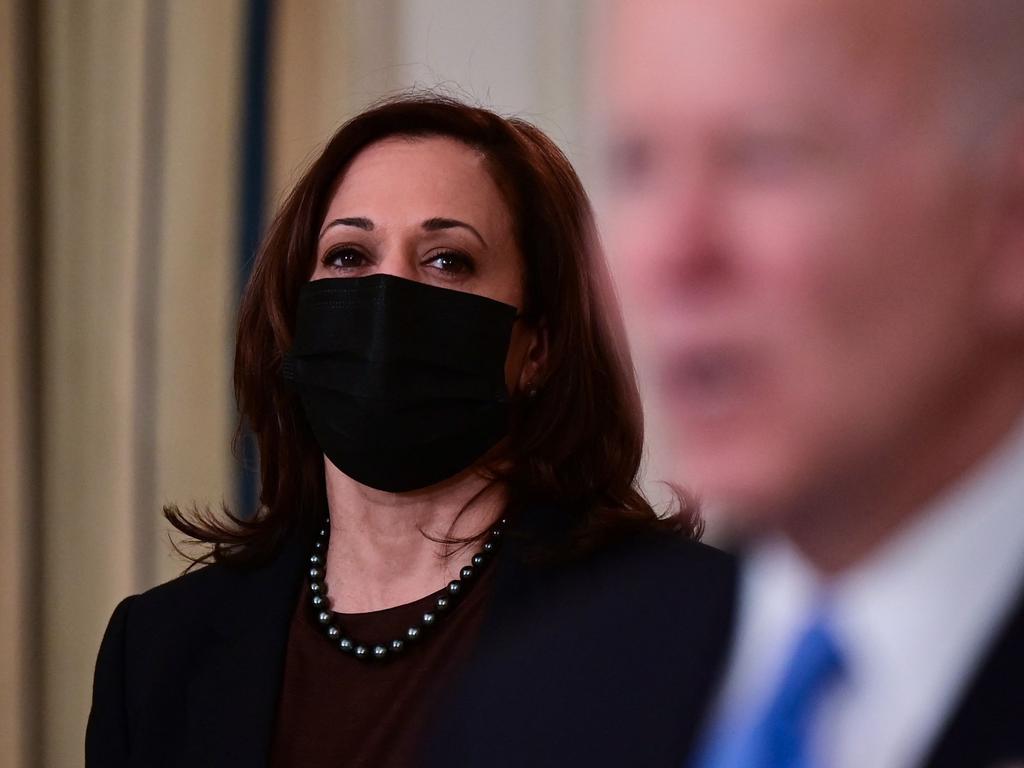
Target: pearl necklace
{"points": [[382, 651]]}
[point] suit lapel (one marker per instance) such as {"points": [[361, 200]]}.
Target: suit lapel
{"points": [[987, 727], [232, 694]]}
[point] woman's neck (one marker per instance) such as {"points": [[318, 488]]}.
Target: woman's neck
{"points": [[379, 557]]}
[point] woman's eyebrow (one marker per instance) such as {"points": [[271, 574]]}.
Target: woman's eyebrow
{"points": [[360, 222], [438, 223]]}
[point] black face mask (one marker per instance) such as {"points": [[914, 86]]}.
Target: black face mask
{"points": [[403, 384]]}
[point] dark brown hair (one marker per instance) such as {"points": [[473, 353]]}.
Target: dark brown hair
{"points": [[576, 446]]}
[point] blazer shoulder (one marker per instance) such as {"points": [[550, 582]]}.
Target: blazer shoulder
{"points": [[191, 592], [655, 560], [144, 650], [675, 549], [634, 551], [215, 584], [646, 582], [168, 652]]}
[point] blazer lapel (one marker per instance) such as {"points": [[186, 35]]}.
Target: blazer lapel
{"points": [[553, 680], [987, 727], [232, 694]]}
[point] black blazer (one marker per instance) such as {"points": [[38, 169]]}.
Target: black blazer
{"points": [[609, 660]]}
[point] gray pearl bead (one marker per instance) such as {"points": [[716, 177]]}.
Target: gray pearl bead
{"points": [[467, 573], [454, 587], [319, 601], [361, 652], [324, 617], [478, 560], [488, 546], [316, 587], [495, 533], [441, 603], [315, 574], [345, 644], [428, 619], [379, 652], [397, 646], [333, 632], [412, 633], [316, 560]]}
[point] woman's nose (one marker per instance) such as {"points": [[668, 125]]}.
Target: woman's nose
{"points": [[398, 260]]}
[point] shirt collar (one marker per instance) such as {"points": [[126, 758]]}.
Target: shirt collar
{"points": [[915, 614]]}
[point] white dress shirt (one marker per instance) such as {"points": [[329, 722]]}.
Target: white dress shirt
{"points": [[914, 621]]}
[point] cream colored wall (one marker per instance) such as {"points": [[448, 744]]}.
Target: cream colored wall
{"points": [[522, 57]]}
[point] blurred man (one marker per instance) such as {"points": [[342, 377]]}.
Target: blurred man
{"points": [[820, 206]]}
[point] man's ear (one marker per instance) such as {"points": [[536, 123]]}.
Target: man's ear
{"points": [[535, 365]]}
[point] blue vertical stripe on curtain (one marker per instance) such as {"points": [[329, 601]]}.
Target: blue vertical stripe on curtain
{"points": [[30, 55], [253, 130]]}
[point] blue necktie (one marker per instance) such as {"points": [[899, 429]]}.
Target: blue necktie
{"points": [[779, 737]]}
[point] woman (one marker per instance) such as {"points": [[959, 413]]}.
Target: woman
{"points": [[449, 435]]}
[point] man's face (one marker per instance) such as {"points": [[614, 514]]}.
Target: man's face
{"points": [[800, 228]]}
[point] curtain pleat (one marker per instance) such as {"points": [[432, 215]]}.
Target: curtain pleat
{"points": [[16, 676], [196, 304], [93, 104]]}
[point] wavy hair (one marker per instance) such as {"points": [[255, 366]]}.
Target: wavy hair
{"points": [[576, 446]]}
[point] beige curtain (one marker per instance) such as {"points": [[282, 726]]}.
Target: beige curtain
{"points": [[138, 103]]}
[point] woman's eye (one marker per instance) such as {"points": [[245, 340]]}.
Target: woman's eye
{"points": [[451, 263], [344, 258]]}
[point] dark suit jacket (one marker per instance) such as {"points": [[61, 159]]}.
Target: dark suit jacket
{"points": [[986, 726], [986, 729], [608, 660]]}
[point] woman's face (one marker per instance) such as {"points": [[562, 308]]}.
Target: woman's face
{"points": [[427, 209]]}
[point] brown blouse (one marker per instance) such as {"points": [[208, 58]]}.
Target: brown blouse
{"points": [[336, 710]]}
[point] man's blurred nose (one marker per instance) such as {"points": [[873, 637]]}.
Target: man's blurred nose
{"points": [[673, 245]]}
